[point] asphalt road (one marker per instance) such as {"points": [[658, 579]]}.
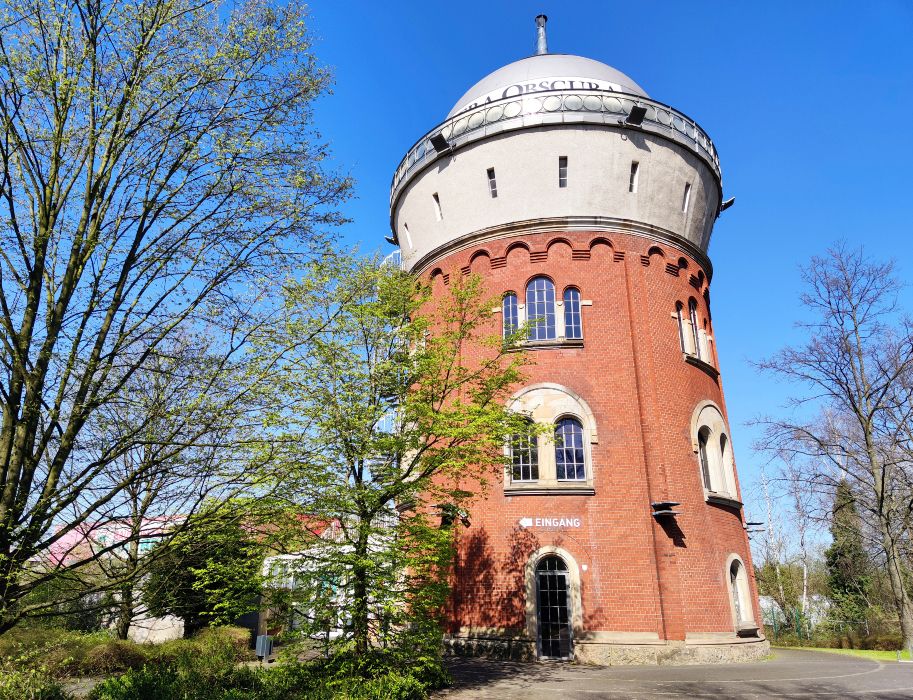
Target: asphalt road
{"points": [[790, 673]]}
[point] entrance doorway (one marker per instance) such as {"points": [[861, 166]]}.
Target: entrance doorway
{"points": [[552, 609]]}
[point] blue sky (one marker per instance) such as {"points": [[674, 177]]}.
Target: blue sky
{"points": [[809, 104]]}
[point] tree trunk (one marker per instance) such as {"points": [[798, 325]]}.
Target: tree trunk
{"points": [[360, 600], [125, 612], [901, 595]]}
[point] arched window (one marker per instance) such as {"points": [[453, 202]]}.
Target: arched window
{"points": [[540, 308], [569, 455], [511, 317], [727, 465], [704, 458], [524, 457], [740, 595], [573, 326], [680, 317], [692, 313], [564, 461], [714, 451]]}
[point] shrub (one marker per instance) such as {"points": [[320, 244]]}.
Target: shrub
{"points": [[22, 678], [114, 656]]}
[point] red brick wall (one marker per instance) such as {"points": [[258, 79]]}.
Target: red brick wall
{"points": [[641, 576]]}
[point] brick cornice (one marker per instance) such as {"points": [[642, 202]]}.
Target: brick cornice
{"points": [[595, 224]]}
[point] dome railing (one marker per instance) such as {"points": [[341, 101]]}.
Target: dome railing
{"points": [[555, 107]]}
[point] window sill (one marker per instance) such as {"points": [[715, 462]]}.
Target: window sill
{"points": [[723, 500], [748, 629], [700, 364], [547, 344], [582, 489]]}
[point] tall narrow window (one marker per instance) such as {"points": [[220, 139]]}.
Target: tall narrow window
{"points": [[540, 308], [573, 327], [702, 455], [735, 587], [569, 457], [686, 198], [408, 235], [692, 313], [635, 175], [727, 466], [679, 314], [492, 184], [437, 207], [524, 457], [562, 171], [511, 316]]}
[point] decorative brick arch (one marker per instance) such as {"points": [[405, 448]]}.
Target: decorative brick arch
{"points": [[564, 401]]}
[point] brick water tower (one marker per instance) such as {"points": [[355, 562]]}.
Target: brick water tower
{"points": [[619, 535]]}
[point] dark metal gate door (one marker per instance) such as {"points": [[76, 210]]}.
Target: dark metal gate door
{"points": [[553, 611]]}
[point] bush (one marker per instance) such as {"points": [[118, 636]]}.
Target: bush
{"points": [[30, 684], [23, 678], [850, 639], [213, 674], [114, 656]]}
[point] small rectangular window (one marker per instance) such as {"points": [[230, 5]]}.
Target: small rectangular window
{"points": [[492, 183], [562, 171], [437, 207], [635, 173], [686, 198]]}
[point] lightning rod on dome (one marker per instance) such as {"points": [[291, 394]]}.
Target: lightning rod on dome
{"points": [[541, 43]]}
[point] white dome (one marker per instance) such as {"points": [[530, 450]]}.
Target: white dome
{"points": [[551, 71]]}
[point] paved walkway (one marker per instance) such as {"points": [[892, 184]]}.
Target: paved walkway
{"points": [[791, 673]]}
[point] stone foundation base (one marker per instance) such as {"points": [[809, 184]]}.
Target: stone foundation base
{"points": [[599, 653]]}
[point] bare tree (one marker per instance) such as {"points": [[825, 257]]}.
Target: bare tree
{"points": [[853, 420], [158, 173]]}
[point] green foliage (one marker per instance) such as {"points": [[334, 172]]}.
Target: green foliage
{"points": [[849, 639], [65, 654], [396, 412], [209, 574], [377, 676], [848, 565], [25, 677], [74, 602]]}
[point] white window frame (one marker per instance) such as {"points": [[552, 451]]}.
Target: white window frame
{"points": [[723, 483], [547, 403]]}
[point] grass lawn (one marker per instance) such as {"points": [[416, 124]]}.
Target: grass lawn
{"points": [[862, 653]]}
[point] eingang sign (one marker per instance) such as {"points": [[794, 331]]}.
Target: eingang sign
{"points": [[549, 522]]}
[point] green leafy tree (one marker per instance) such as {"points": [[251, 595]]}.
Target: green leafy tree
{"points": [[849, 568], [158, 170], [209, 574], [395, 413]]}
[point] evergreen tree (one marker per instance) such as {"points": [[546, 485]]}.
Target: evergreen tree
{"points": [[849, 574]]}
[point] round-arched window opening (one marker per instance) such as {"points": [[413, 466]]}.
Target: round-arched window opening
{"points": [[553, 608], [569, 454], [552, 563], [702, 436], [738, 587]]}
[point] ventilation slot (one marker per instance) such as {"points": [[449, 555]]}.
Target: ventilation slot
{"points": [[635, 176], [686, 198], [408, 237], [437, 207]]}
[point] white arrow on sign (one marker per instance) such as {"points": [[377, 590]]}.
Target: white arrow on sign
{"points": [[526, 522]]}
